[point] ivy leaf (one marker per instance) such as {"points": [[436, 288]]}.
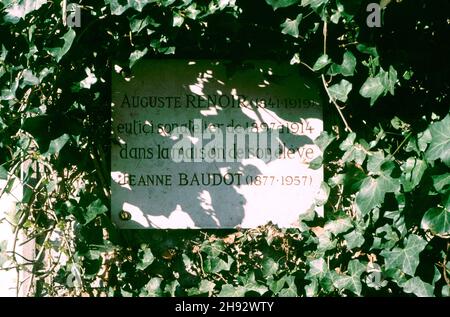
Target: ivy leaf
{"points": [[216, 264], [367, 50], [3, 252], [56, 145], [372, 88], [224, 3], [165, 3], [322, 195], [316, 163], [171, 287], [413, 170], [440, 141], [437, 220], [290, 27], [3, 54], [89, 80], [419, 143], [312, 288], [372, 191], [137, 25], [323, 140], [281, 3], [326, 242], [59, 52], [348, 142], [383, 83], [326, 283], [418, 287], [335, 17], [321, 62], [137, 55], [29, 78], [275, 285], [269, 267], [138, 5], [356, 153], [154, 287], [120, 6], [177, 20], [251, 285], [206, 287], [385, 238], [3, 173], [213, 249], [354, 239], [313, 3], [291, 289], [392, 79], [334, 69], [232, 291], [406, 258], [351, 282], [10, 92], [388, 80], [192, 12], [294, 60], [93, 210], [441, 182], [317, 269], [348, 64], [147, 259], [340, 91], [445, 291], [337, 13], [399, 124], [21, 8], [338, 226], [437, 276], [375, 161]]}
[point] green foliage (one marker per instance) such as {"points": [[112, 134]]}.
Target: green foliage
{"points": [[347, 68], [418, 287], [440, 141], [290, 27], [321, 62], [386, 227], [381, 84], [373, 190], [3, 252], [405, 258], [16, 10], [59, 52], [281, 3], [437, 220], [340, 91]]}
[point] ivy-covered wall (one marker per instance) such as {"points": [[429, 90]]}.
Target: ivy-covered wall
{"points": [[386, 147]]}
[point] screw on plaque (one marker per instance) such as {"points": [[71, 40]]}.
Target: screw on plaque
{"points": [[124, 215]]}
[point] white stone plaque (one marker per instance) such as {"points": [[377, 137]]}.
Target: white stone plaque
{"points": [[212, 144]]}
